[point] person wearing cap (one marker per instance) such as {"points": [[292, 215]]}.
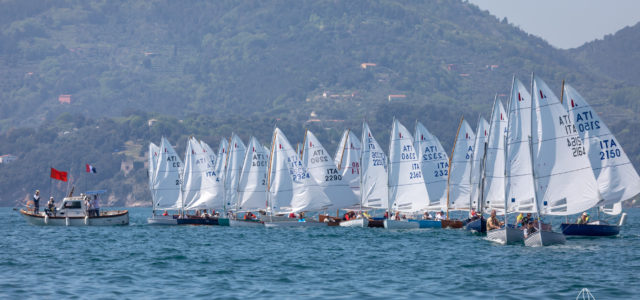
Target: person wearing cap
{"points": [[584, 219], [492, 222], [36, 202]]}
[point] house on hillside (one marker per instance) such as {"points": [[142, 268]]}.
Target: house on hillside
{"points": [[396, 97], [64, 99], [7, 158], [364, 66]]}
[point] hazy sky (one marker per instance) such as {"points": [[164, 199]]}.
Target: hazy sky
{"points": [[566, 23]]}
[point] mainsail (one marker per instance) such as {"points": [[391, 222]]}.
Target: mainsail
{"points": [[347, 159], [252, 186], [286, 174], [166, 182], [564, 180], [407, 190], [235, 159], [494, 183], [460, 168], [202, 189], [221, 159], [374, 189], [482, 136], [154, 152], [324, 187], [435, 166], [520, 192], [616, 176]]}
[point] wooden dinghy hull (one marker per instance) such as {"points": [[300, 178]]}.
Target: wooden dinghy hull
{"points": [[456, 224], [106, 218], [544, 238]]}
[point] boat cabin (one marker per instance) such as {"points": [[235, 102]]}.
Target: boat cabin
{"points": [[72, 207]]}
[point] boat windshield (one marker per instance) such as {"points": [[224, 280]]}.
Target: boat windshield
{"points": [[73, 204]]}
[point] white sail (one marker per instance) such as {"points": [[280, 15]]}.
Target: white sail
{"points": [[221, 159], [435, 166], [374, 189], [235, 159], [202, 189], [564, 180], [460, 169], [166, 182], [325, 187], [520, 192], [494, 183], [347, 159], [154, 152], [287, 174], [482, 136], [407, 190], [210, 153], [252, 187], [616, 176]]}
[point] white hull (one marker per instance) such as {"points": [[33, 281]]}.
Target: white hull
{"points": [[162, 220], [395, 224], [294, 223], [544, 238], [108, 218], [243, 223], [507, 235], [355, 223]]}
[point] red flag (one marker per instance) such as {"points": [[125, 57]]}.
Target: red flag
{"points": [[58, 175], [573, 104], [519, 97]]}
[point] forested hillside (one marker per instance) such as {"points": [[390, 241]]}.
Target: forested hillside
{"points": [[81, 79]]}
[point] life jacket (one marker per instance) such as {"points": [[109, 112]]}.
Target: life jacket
{"points": [[346, 216]]}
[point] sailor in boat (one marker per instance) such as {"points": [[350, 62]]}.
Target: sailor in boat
{"points": [[492, 222], [51, 207], [519, 220], [584, 218], [529, 229], [96, 206], [165, 213], [36, 202], [426, 216], [440, 216]]}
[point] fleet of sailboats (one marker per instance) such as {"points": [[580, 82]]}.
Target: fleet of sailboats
{"points": [[542, 155]]}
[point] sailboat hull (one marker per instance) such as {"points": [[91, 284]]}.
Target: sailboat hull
{"points": [[428, 223], [544, 238], [589, 229], [162, 220], [506, 235], [246, 223], [399, 224], [452, 224], [295, 223], [363, 222], [477, 225]]}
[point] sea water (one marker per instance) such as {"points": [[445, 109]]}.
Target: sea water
{"points": [[179, 262]]}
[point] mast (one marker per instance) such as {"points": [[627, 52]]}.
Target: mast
{"points": [[269, 200], [226, 166], [562, 92], [472, 157], [389, 169], [533, 171], [344, 148], [506, 153], [450, 163], [360, 168], [240, 175]]}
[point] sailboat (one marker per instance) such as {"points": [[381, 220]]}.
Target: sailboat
{"points": [[285, 178], [166, 185], [563, 178], [235, 160], [252, 184], [202, 188], [459, 180], [407, 190], [374, 191], [495, 184], [617, 178], [154, 152], [435, 170], [478, 223], [347, 160]]}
